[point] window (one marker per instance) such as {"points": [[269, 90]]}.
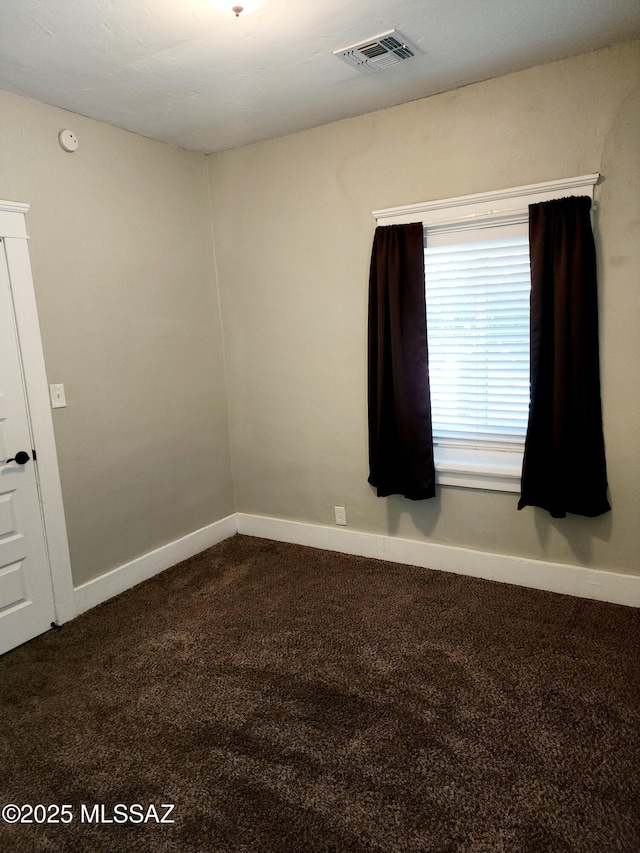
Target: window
{"points": [[477, 293]]}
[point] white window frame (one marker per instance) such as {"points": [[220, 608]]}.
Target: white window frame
{"points": [[483, 467]]}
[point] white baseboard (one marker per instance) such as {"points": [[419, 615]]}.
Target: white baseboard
{"points": [[554, 577], [124, 577]]}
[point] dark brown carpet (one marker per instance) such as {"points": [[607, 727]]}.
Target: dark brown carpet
{"points": [[290, 700]]}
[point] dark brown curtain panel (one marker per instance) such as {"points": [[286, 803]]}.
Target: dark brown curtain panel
{"points": [[564, 466], [400, 437]]}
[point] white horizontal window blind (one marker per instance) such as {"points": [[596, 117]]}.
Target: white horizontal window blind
{"points": [[477, 294]]}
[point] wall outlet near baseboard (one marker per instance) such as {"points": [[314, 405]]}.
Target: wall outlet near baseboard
{"points": [[341, 515]]}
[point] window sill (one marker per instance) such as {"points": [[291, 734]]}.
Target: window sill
{"points": [[478, 468]]}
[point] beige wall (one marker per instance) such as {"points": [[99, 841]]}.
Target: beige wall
{"points": [[293, 231], [126, 287], [122, 259]]}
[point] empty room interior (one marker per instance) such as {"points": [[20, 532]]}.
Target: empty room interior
{"points": [[226, 584]]}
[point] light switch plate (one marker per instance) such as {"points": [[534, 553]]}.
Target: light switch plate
{"points": [[58, 400]]}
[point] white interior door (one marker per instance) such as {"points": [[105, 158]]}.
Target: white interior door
{"points": [[26, 592]]}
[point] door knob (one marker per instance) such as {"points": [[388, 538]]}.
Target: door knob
{"points": [[21, 457]]}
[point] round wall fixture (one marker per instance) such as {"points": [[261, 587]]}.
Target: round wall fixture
{"points": [[68, 140]]}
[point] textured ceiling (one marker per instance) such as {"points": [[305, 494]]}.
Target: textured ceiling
{"points": [[187, 73]]}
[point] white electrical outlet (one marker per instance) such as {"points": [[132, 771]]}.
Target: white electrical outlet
{"points": [[341, 515], [58, 400]]}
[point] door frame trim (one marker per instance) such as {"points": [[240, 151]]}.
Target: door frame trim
{"points": [[14, 235]]}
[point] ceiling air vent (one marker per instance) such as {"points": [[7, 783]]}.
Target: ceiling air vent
{"points": [[378, 52]]}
